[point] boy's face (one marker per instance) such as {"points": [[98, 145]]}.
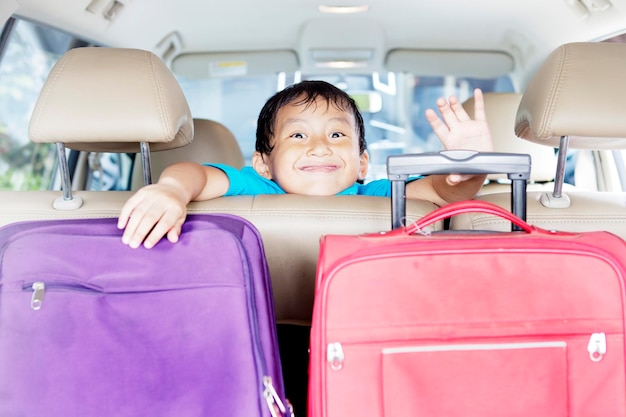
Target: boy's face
{"points": [[316, 150]]}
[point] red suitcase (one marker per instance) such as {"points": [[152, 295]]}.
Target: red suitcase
{"points": [[523, 323]]}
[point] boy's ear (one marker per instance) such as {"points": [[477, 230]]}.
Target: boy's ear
{"points": [[260, 166], [364, 160]]}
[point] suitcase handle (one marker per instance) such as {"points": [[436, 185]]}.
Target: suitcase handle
{"points": [[462, 207], [399, 167]]}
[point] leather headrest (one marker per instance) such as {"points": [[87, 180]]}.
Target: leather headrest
{"points": [[212, 143], [215, 144], [110, 100], [578, 92]]}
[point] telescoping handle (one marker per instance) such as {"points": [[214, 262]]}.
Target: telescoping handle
{"points": [[400, 167]]}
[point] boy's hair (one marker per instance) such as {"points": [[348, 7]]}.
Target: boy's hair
{"points": [[304, 93]]}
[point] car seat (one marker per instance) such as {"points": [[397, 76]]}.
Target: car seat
{"points": [[574, 101], [212, 143]]}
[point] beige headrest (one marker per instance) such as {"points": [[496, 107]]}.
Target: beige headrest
{"points": [[212, 143], [500, 109], [109, 100], [578, 92]]}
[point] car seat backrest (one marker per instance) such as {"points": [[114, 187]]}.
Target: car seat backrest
{"points": [[212, 143], [575, 100]]}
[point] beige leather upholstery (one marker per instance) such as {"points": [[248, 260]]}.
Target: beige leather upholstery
{"points": [[578, 93], [501, 109], [588, 211], [110, 100], [212, 142], [290, 225]]}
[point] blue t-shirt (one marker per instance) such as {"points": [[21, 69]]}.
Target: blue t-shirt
{"points": [[247, 181]]}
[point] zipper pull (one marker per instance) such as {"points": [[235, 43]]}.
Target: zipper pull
{"points": [[272, 398], [335, 356], [36, 300], [597, 346]]}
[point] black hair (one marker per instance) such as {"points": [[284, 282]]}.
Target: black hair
{"points": [[305, 92]]}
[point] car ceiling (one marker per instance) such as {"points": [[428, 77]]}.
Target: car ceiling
{"points": [[525, 29]]}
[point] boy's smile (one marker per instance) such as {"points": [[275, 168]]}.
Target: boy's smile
{"points": [[316, 150], [318, 168]]}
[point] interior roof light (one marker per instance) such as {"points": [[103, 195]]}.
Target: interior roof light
{"points": [[343, 9]]}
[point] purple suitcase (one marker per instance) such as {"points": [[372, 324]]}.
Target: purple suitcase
{"points": [[90, 327]]}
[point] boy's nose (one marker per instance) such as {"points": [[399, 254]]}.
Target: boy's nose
{"points": [[319, 146]]}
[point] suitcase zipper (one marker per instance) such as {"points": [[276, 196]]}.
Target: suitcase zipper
{"points": [[272, 398], [474, 346], [335, 356], [39, 289], [597, 346]]}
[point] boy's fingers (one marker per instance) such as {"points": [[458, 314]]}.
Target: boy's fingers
{"points": [[156, 234], [149, 215], [122, 220], [454, 179], [138, 229], [438, 126], [173, 235], [130, 217], [479, 105], [459, 112], [130, 224], [448, 115], [141, 221], [126, 211], [167, 224]]}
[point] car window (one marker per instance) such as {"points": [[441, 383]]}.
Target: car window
{"points": [[30, 51]]}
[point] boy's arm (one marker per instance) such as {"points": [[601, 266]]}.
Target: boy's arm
{"points": [[160, 209], [456, 130], [438, 189]]}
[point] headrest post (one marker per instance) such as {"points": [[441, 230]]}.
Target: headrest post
{"points": [[66, 183], [67, 201], [560, 167], [621, 170], [146, 163]]}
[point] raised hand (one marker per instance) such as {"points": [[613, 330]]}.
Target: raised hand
{"points": [[456, 130]]}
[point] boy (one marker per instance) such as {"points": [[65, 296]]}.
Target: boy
{"points": [[310, 141]]}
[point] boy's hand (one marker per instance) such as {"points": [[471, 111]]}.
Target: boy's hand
{"points": [[160, 209], [153, 212], [458, 131]]}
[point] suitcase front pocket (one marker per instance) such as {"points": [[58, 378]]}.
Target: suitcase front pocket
{"points": [[476, 380]]}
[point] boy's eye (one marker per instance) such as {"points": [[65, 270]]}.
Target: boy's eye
{"points": [[298, 136], [335, 135]]}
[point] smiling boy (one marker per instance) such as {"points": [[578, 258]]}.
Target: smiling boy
{"points": [[310, 141]]}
